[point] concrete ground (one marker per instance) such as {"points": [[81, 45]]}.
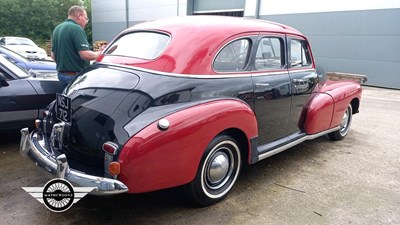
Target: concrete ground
{"points": [[353, 181]]}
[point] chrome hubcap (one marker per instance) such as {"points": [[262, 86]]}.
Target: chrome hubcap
{"points": [[219, 168]]}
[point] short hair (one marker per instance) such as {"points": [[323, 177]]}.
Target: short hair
{"points": [[75, 10]]}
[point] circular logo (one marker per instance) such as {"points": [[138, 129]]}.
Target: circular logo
{"points": [[58, 195]]}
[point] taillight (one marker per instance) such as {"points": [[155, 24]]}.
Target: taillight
{"points": [[110, 148]]}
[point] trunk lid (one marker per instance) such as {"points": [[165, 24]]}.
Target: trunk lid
{"points": [[101, 99]]}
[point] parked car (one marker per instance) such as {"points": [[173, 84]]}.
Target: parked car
{"points": [[24, 46], [186, 102], [24, 95], [28, 64]]}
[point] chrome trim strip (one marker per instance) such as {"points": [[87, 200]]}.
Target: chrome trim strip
{"points": [[296, 142], [221, 75], [33, 145], [216, 76]]}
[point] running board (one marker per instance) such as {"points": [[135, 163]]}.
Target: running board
{"points": [[294, 143]]}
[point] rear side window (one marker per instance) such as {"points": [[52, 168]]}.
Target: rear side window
{"points": [[233, 57], [143, 45], [269, 54], [299, 54]]}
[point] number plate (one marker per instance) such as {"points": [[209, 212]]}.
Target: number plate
{"points": [[63, 105]]}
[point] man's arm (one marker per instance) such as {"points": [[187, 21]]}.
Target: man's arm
{"points": [[89, 55], [53, 56]]}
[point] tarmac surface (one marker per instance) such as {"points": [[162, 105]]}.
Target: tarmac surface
{"points": [[353, 181]]}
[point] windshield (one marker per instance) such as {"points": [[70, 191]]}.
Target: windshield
{"points": [[20, 41], [13, 54], [143, 45], [13, 68]]}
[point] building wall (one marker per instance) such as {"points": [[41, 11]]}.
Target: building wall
{"points": [[111, 17], [346, 36]]}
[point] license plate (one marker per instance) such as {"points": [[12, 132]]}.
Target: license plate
{"points": [[63, 111]]}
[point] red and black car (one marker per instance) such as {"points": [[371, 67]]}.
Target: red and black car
{"points": [[187, 101]]}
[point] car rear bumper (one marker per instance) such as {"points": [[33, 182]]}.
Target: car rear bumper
{"points": [[33, 145]]}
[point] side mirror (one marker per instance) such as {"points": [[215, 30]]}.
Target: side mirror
{"points": [[3, 81]]}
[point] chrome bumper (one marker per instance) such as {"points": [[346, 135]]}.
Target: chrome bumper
{"points": [[33, 145]]}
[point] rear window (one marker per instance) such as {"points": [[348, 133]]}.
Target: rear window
{"points": [[143, 45], [109, 78]]}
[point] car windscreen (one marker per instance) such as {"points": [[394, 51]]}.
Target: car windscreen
{"points": [[20, 41], [143, 45], [13, 68], [13, 54], [109, 78]]}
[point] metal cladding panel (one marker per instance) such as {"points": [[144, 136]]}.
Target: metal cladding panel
{"points": [[363, 42], [221, 5], [106, 31]]}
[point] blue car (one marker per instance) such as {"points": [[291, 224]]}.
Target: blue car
{"points": [[28, 64]]}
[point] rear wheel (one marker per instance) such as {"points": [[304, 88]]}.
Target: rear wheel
{"points": [[344, 125], [217, 172]]}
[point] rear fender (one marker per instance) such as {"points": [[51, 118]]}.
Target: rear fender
{"points": [[154, 159], [318, 113], [326, 107], [348, 92]]}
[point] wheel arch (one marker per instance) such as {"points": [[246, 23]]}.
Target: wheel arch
{"points": [[355, 104], [243, 141]]}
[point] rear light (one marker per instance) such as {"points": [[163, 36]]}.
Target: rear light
{"points": [[110, 148], [114, 168]]}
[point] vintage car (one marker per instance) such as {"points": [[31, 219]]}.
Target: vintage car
{"points": [[186, 102], [24, 94]]}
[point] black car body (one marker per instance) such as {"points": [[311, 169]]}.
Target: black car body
{"points": [[24, 95]]}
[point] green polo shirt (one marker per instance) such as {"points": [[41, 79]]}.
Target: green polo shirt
{"points": [[68, 39]]}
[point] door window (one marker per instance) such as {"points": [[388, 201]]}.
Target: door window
{"points": [[299, 54], [268, 55]]}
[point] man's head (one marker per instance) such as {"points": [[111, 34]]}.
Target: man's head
{"points": [[79, 15]]}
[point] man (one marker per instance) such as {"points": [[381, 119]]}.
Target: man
{"points": [[70, 48]]}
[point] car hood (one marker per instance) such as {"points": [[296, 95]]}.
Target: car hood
{"points": [[41, 65]]}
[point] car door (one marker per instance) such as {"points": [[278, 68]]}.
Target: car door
{"points": [[18, 101], [303, 79], [271, 88]]}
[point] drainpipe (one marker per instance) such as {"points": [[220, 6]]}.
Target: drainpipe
{"points": [[127, 13], [257, 9]]}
